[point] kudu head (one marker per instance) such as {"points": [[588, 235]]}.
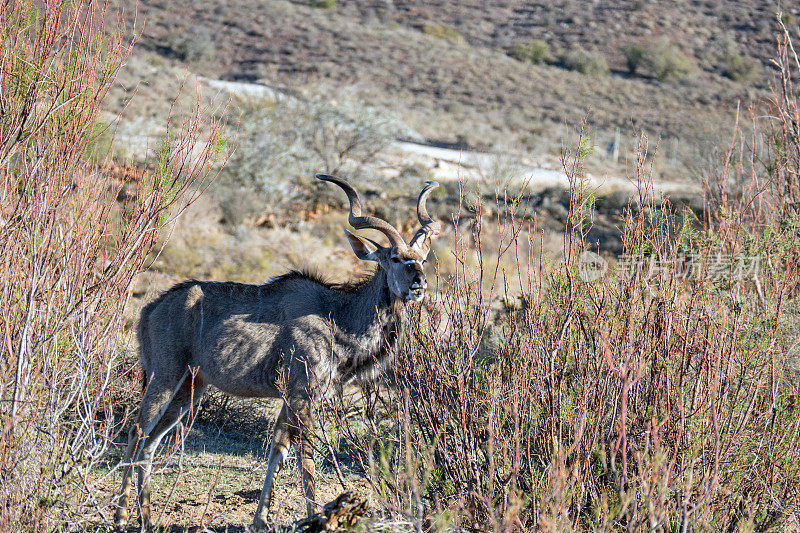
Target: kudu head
{"points": [[402, 262]]}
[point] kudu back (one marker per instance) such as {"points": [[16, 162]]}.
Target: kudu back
{"points": [[247, 340]]}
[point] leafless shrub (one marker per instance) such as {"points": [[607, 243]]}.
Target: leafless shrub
{"points": [[70, 256], [646, 399], [281, 145]]}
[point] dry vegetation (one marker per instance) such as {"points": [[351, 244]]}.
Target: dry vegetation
{"points": [[71, 253], [522, 398]]}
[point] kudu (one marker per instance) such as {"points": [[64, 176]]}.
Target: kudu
{"points": [[295, 337]]}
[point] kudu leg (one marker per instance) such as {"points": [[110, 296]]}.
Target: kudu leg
{"points": [[278, 451], [185, 401], [305, 453], [121, 516], [160, 412], [293, 425], [157, 397]]}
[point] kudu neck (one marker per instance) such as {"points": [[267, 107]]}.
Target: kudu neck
{"points": [[377, 291], [374, 299]]}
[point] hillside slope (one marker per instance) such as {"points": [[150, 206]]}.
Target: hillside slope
{"points": [[380, 53]]}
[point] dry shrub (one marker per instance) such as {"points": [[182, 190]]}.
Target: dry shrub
{"points": [[70, 254], [642, 401], [654, 398], [280, 146], [193, 45]]}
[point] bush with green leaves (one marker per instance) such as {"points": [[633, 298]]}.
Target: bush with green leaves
{"points": [[634, 56], [734, 64], [741, 68], [590, 63], [193, 45], [323, 4], [445, 32], [534, 51], [660, 59], [664, 61]]}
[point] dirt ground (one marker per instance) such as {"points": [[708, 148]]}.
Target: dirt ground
{"points": [[216, 482]]}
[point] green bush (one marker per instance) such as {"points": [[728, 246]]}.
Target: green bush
{"points": [[323, 4], [666, 62], [194, 44], [741, 68], [660, 60], [586, 62], [634, 56], [534, 51], [735, 65], [442, 31]]}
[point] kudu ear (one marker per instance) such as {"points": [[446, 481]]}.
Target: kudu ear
{"points": [[360, 248]]}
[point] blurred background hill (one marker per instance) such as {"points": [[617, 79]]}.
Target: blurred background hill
{"points": [[390, 94], [498, 74]]}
